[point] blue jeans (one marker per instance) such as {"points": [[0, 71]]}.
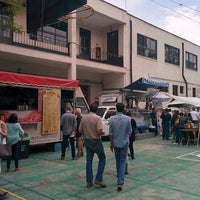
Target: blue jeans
{"points": [[120, 157], [65, 144], [15, 152], [92, 147]]}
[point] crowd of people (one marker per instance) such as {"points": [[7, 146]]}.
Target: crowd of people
{"points": [[173, 122], [88, 130], [78, 130]]}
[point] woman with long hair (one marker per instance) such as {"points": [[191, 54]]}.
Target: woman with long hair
{"points": [[15, 134]]}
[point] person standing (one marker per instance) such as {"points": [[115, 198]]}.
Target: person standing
{"points": [[132, 136], [92, 128], [175, 125], [3, 133], [153, 116], [195, 116], [68, 125], [78, 134], [119, 131], [166, 121], [15, 134]]}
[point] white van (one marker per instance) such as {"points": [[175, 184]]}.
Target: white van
{"points": [[105, 112]]}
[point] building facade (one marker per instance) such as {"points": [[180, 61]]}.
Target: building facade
{"points": [[103, 47]]}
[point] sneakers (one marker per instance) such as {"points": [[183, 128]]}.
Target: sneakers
{"points": [[175, 143], [100, 183], [89, 185], [119, 187], [17, 169]]}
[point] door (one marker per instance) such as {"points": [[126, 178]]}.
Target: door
{"points": [[85, 41], [112, 44]]}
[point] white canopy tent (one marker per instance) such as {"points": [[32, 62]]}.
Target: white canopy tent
{"points": [[159, 98], [190, 101]]}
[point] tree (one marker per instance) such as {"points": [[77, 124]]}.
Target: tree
{"points": [[9, 9]]}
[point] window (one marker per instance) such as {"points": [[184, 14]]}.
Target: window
{"points": [[4, 22], [181, 89], [18, 98], [191, 61], [80, 103], [85, 42], [194, 92], [110, 114], [146, 46], [172, 55], [53, 34], [175, 90]]}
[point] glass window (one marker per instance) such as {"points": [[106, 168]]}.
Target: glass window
{"points": [[18, 98], [172, 55], [194, 92], [191, 61], [110, 114], [146, 46], [175, 90], [80, 103], [4, 30], [101, 111], [53, 34], [181, 89]]}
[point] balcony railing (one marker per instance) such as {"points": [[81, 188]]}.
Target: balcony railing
{"points": [[99, 56], [35, 42], [60, 47]]}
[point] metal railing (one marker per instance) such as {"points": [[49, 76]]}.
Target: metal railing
{"points": [[58, 46], [98, 55], [35, 42]]}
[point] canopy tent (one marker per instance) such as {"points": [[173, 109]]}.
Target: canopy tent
{"points": [[181, 101], [36, 81], [145, 83], [161, 97]]}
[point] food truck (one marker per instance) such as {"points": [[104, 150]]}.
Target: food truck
{"points": [[139, 97], [39, 102]]}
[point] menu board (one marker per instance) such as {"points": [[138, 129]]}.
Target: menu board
{"points": [[51, 111]]}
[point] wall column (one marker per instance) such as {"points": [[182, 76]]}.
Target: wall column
{"points": [[72, 39]]}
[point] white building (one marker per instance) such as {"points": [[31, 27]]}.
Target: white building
{"points": [[108, 50]]}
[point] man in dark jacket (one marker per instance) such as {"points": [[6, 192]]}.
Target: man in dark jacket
{"points": [[166, 119]]}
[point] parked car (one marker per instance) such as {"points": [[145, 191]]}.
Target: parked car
{"points": [[105, 112]]}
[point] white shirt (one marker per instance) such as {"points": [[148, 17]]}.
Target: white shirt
{"points": [[194, 115]]}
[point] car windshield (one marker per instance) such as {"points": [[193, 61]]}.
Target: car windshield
{"points": [[101, 112]]}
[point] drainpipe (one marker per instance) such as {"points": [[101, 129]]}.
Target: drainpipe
{"points": [[131, 46], [183, 69]]}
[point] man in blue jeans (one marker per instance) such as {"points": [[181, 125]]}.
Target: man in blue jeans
{"points": [[92, 128], [68, 126], [119, 131]]}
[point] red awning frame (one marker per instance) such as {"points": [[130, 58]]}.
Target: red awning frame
{"points": [[36, 81]]}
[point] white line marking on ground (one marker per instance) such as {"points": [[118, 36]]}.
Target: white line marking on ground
{"points": [[192, 153]]}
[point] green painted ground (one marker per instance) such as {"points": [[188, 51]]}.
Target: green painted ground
{"points": [[160, 171]]}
